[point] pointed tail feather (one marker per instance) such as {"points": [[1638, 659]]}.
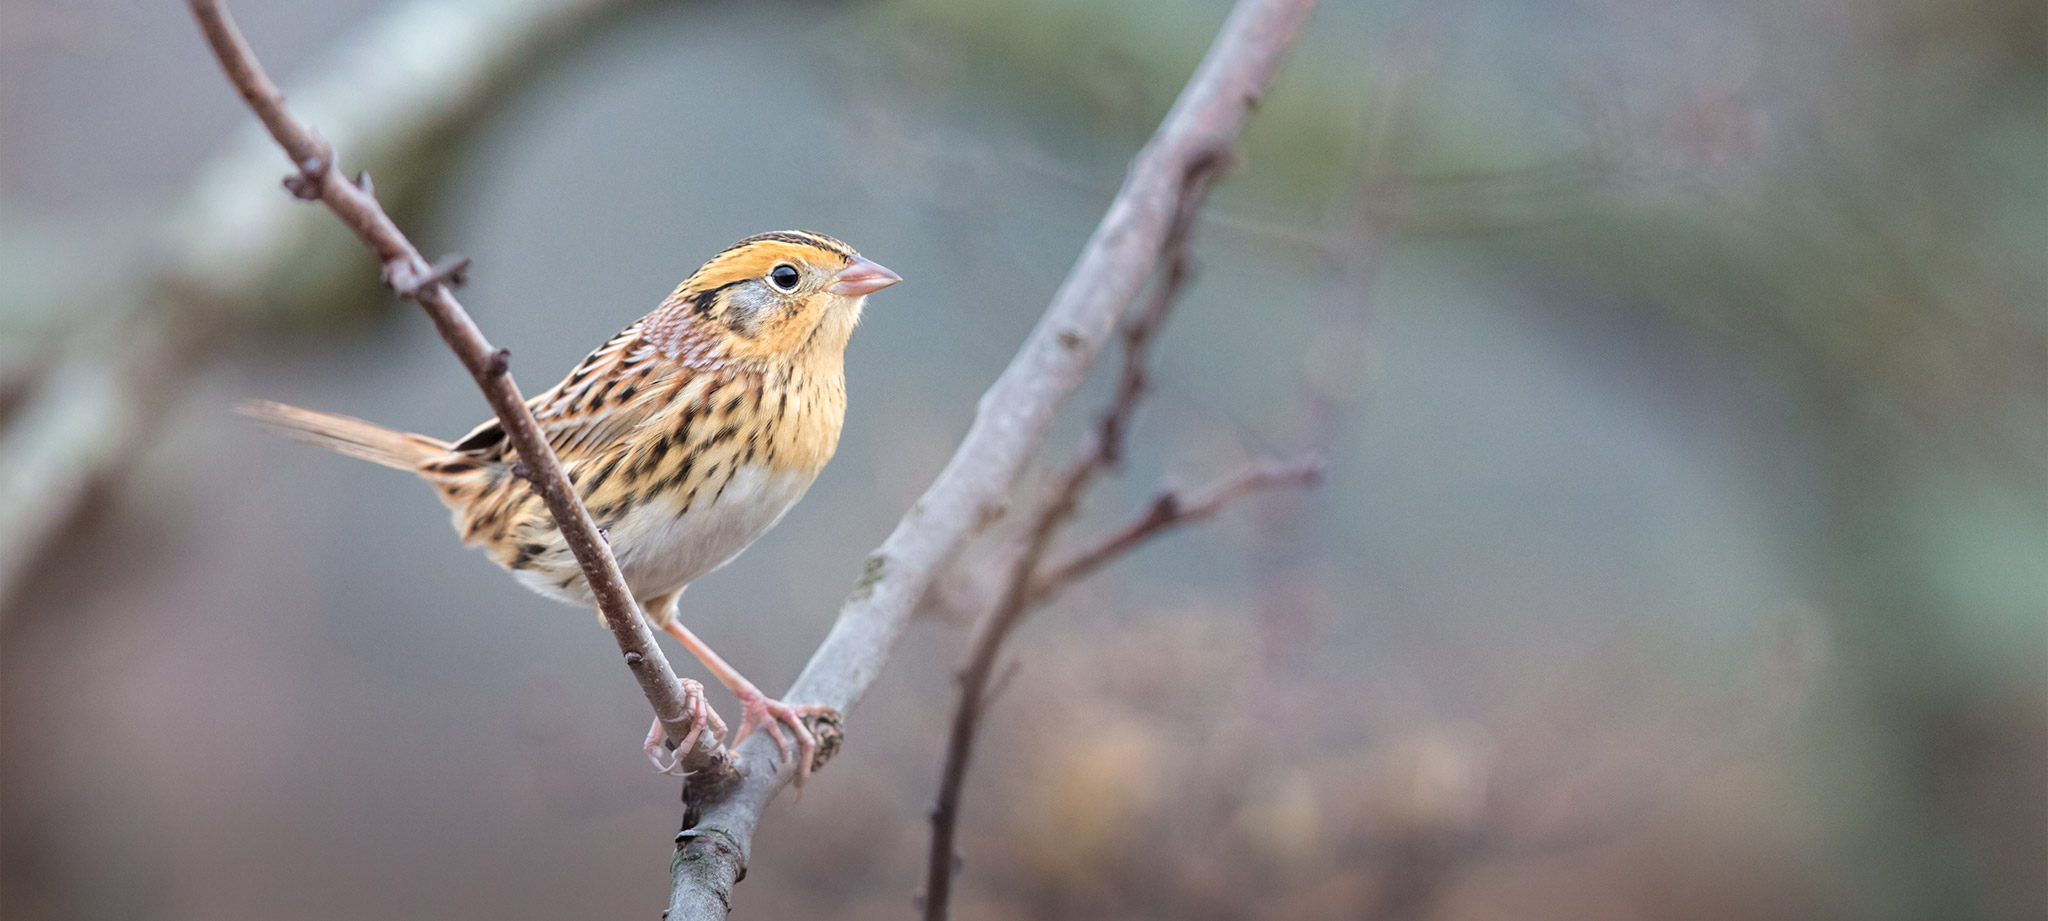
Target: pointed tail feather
{"points": [[350, 436]]}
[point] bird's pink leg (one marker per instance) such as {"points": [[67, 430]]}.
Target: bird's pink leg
{"points": [[757, 709]]}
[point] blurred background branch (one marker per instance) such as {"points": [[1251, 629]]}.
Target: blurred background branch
{"points": [[1172, 508], [233, 257], [1028, 581]]}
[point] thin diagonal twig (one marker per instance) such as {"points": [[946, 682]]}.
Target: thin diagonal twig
{"points": [[1171, 509], [1100, 451], [409, 274], [1029, 584]]}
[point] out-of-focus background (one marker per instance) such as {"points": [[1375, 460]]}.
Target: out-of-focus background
{"points": [[1681, 366]]}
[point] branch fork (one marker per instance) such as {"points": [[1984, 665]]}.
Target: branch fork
{"points": [[1031, 583]]}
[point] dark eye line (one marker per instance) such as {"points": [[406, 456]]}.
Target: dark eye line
{"points": [[706, 299]]}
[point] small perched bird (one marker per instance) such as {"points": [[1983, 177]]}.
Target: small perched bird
{"points": [[687, 435]]}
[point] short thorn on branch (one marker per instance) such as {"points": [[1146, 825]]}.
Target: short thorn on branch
{"points": [[452, 270], [305, 184], [501, 362]]}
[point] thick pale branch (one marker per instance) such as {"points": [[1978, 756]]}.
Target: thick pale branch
{"points": [[1012, 419], [408, 272]]}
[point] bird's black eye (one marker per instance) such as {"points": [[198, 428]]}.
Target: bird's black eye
{"points": [[784, 277]]}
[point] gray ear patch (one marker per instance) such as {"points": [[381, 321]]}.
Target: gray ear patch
{"points": [[746, 305]]}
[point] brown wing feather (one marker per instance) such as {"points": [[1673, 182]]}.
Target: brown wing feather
{"points": [[611, 391]]}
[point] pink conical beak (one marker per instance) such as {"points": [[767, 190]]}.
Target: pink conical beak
{"points": [[862, 277]]}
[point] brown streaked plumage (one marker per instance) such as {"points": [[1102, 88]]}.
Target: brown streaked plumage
{"points": [[688, 435]]}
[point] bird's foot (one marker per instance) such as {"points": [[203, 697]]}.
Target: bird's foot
{"points": [[758, 709], [702, 718]]}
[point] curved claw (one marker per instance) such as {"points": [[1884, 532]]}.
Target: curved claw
{"points": [[757, 709], [772, 715], [701, 717]]}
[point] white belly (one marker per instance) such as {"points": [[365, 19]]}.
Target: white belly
{"points": [[662, 547], [665, 547]]}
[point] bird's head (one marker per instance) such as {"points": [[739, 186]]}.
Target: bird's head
{"points": [[778, 296]]}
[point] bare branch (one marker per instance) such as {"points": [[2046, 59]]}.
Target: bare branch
{"points": [[1027, 586], [1101, 451], [1012, 419], [408, 273], [1356, 232], [1169, 510]]}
